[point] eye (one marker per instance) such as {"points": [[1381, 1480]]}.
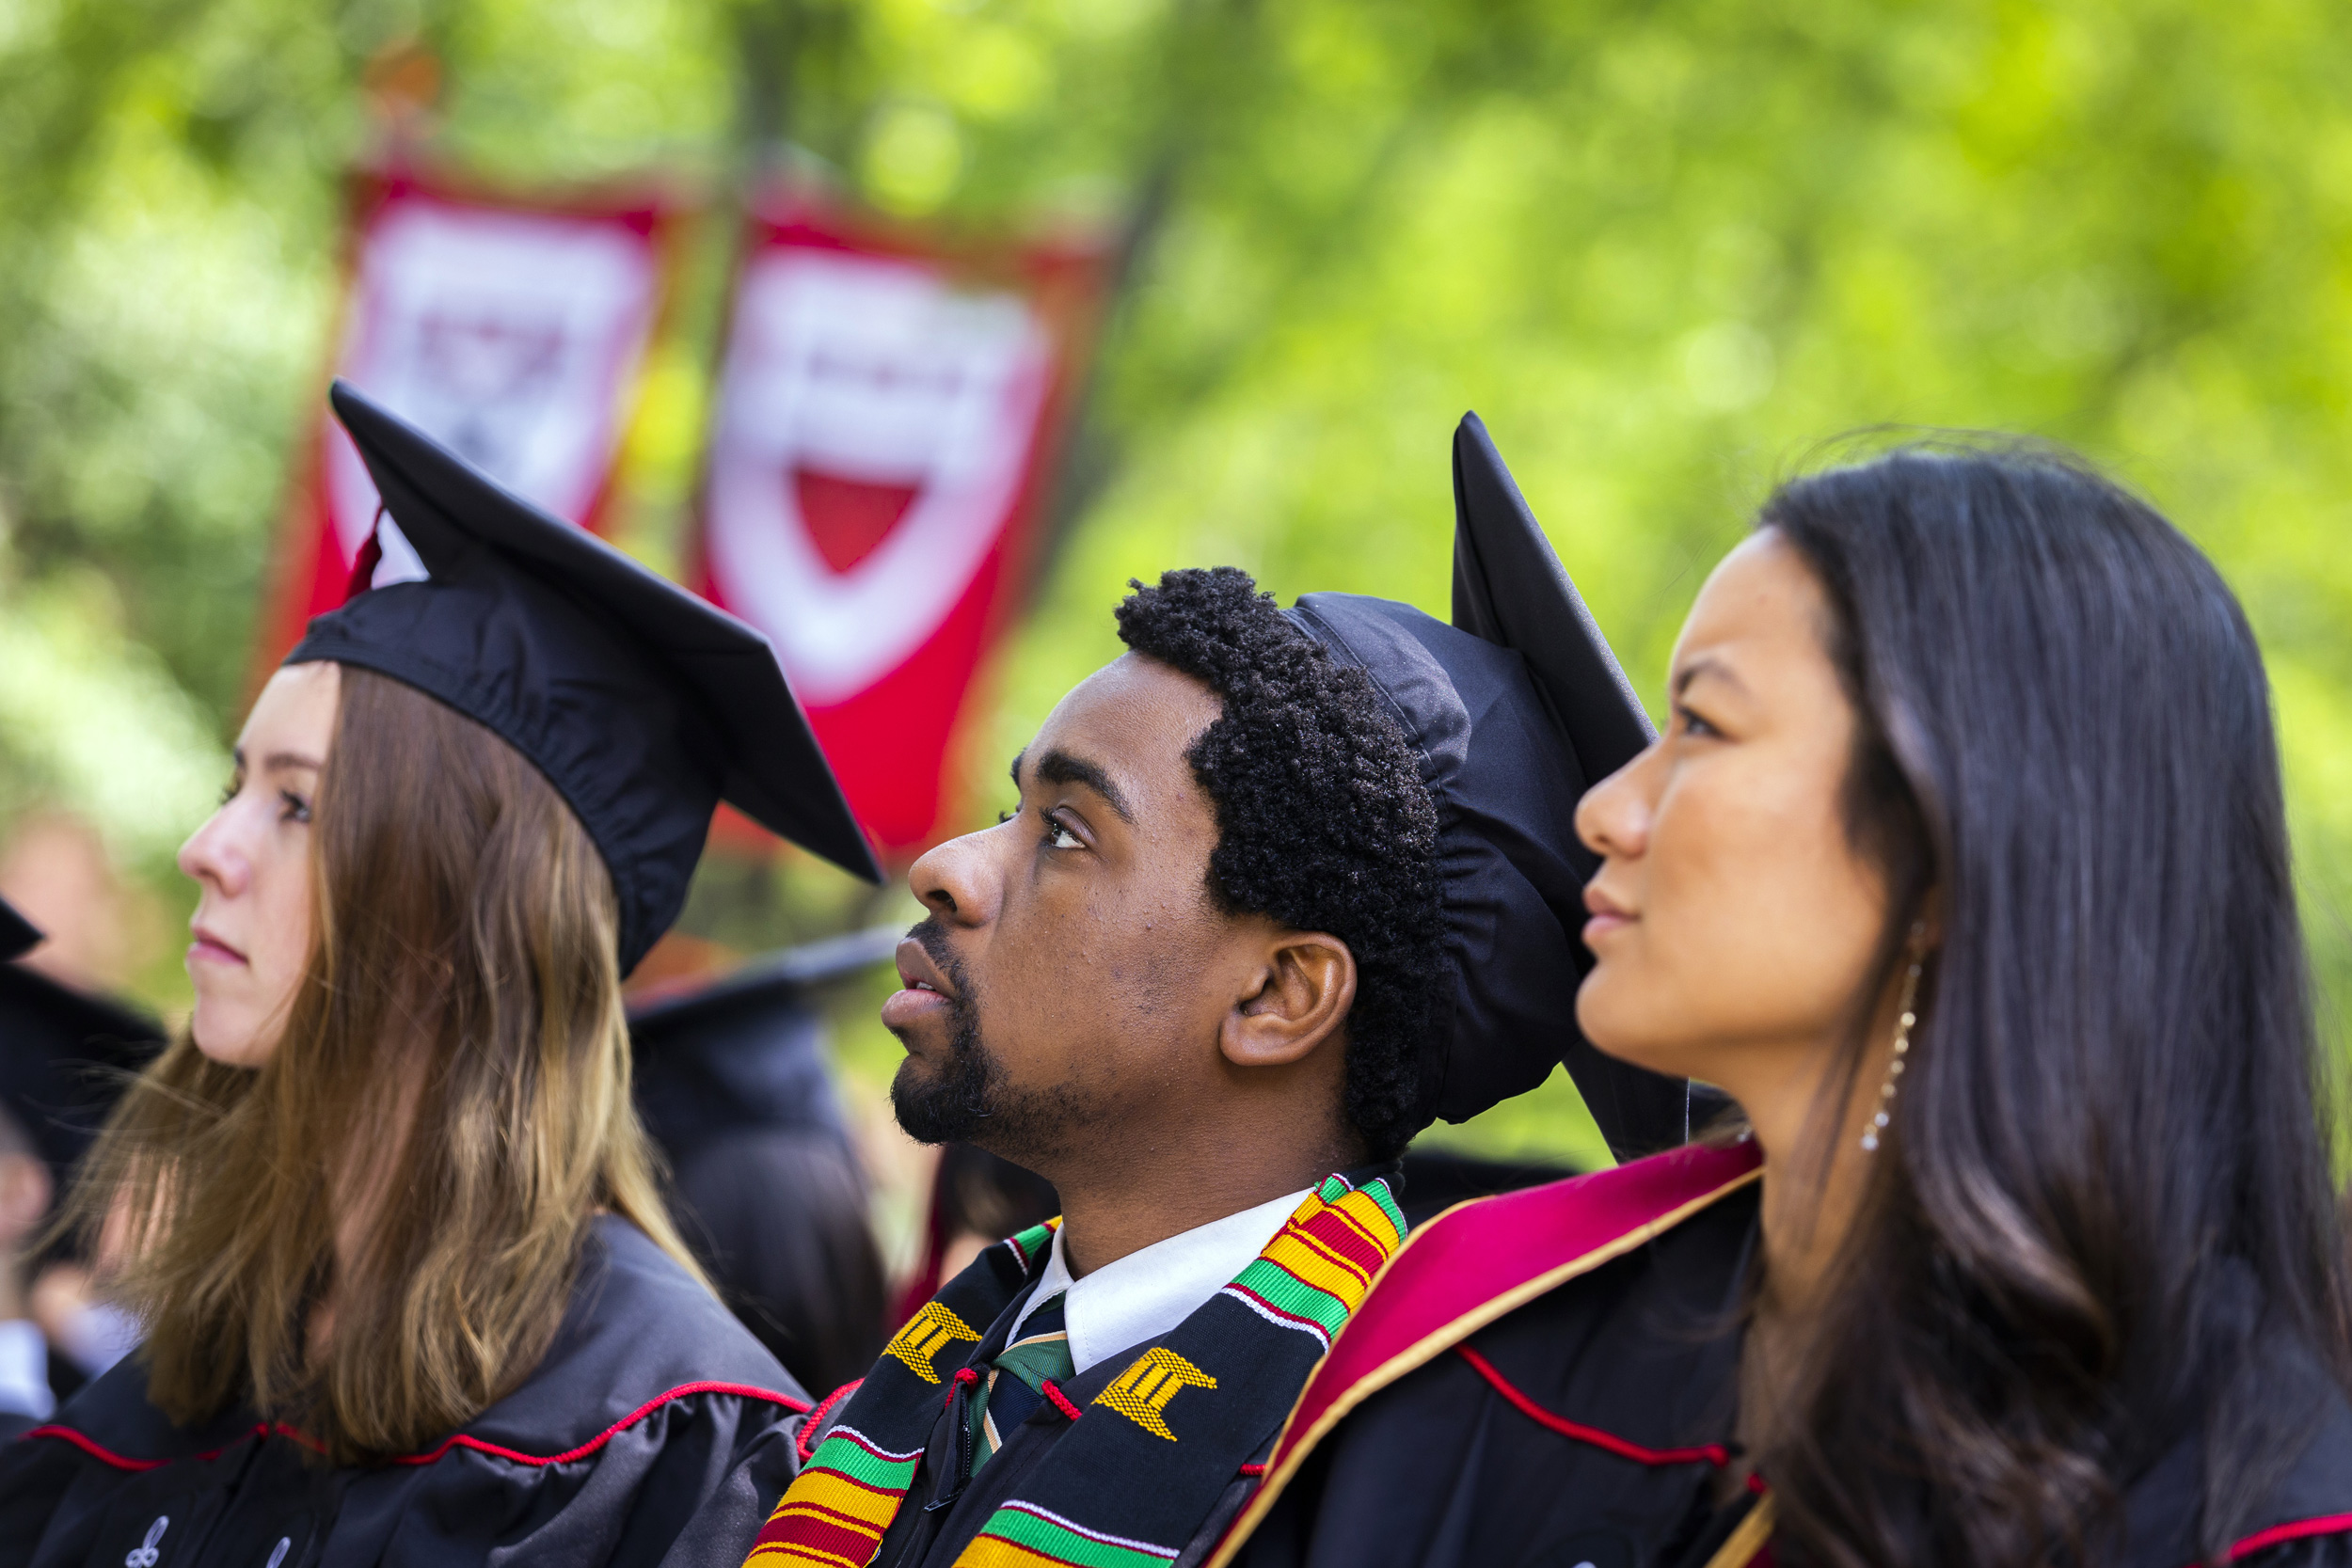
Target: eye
{"points": [[1005, 817], [1694, 725], [295, 808], [229, 791], [1059, 837]]}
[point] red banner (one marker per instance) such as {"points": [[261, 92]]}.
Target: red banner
{"points": [[887, 431], [511, 330]]}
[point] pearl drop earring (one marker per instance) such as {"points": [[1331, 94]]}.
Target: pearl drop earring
{"points": [[1884, 1114]]}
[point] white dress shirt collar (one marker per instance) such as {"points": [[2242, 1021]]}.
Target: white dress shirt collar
{"points": [[1152, 1290]]}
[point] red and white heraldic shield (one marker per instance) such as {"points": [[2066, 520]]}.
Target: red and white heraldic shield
{"points": [[512, 331], [885, 441]]}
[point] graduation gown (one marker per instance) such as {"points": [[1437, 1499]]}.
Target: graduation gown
{"points": [[1547, 1379], [655, 1427]]}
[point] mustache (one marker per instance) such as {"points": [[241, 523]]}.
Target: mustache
{"points": [[932, 938]]}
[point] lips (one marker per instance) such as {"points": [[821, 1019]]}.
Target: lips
{"points": [[209, 947], [926, 993], [1608, 916], [917, 973]]}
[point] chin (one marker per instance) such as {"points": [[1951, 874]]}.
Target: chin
{"points": [[1618, 1030], [228, 1043]]}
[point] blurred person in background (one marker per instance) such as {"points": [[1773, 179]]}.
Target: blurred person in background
{"points": [[65, 1054], [388, 1215], [733, 1083], [26, 1396], [1281, 888], [95, 930], [1963, 867]]}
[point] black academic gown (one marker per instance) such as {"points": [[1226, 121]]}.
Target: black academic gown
{"points": [[1550, 1382], [655, 1430], [922, 1537]]}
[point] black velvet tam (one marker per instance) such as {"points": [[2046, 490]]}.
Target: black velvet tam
{"points": [[1517, 710], [65, 1054], [642, 704]]}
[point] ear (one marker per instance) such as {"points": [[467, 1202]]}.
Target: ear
{"points": [[1301, 995]]}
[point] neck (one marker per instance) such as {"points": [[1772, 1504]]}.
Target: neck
{"points": [[1810, 1126], [1120, 1200]]}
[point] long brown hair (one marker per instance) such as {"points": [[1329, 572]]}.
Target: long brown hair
{"points": [[463, 984], [2101, 1223]]}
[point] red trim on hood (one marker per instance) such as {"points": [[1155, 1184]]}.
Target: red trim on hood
{"points": [[743, 1390], [1475, 1263], [804, 1441], [1479, 1251], [2331, 1523], [1710, 1453], [91, 1448], [462, 1440]]}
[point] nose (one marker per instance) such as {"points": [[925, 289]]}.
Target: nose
{"points": [[1613, 819], [212, 858], [958, 881]]}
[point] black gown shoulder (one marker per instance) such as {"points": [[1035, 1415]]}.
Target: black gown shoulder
{"points": [[653, 1428], [1552, 1382]]}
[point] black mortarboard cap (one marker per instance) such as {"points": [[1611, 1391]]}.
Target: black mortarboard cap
{"points": [[746, 1052], [65, 1054], [642, 704], [1517, 710], [1510, 588]]}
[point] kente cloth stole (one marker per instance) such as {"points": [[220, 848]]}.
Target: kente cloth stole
{"points": [[1150, 1455]]}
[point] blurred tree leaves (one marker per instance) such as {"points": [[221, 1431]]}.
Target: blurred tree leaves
{"points": [[1664, 248]]}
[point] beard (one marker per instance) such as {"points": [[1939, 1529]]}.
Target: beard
{"points": [[969, 1099]]}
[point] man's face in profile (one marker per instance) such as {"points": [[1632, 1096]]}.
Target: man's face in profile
{"points": [[1069, 982]]}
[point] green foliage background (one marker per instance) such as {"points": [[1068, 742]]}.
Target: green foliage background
{"points": [[1664, 248]]}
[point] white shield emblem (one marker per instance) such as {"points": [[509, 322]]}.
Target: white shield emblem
{"points": [[509, 336], [875, 425]]}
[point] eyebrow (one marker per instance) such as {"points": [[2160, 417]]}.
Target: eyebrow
{"points": [[1060, 766], [275, 760], [1705, 665]]}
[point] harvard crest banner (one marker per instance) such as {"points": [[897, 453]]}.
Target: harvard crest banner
{"points": [[511, 330], [886, 426]]}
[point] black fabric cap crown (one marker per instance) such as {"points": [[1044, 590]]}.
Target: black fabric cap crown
{"points": [[642, 704], [1517, 708], [64, 1054]]}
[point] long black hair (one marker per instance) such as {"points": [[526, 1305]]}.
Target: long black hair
{"points": [[2105, 1207]]}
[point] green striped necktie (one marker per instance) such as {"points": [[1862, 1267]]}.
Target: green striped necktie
{"points": [[1016, 1379]]}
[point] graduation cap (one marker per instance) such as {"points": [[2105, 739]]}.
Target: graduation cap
{"points": [[746, 1051], [644, 705], [64, 1054], [1517, 708]]}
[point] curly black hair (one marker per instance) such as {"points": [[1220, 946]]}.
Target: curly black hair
{"points": [[1322, 821]]}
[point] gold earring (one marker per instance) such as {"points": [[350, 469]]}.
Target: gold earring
{"points": [[1884, 1114]]}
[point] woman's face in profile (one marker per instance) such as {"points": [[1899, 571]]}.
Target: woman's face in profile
{"points": [[252, 859], [1733, 924]]}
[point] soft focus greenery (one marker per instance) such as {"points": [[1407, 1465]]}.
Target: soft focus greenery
{"points": [[1664, 248]]}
